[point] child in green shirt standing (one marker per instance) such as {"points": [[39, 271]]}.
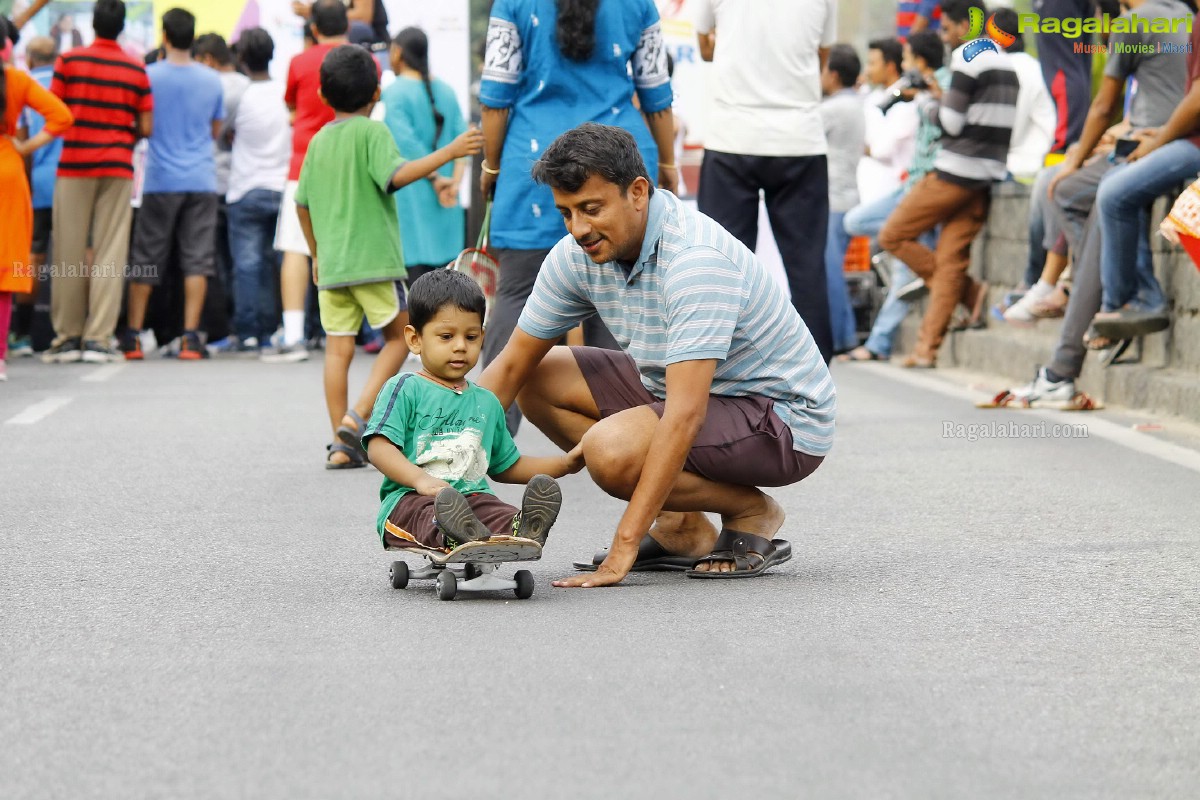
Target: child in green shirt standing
{"points": [[436, 436], [344, 201]]}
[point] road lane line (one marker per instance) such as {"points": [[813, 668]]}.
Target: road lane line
{"points": [[103, 373], [1101, 428], [39, 411]]}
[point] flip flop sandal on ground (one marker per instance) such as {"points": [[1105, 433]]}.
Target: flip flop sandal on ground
{"points": [[352, 453], [651, 557], [751, 555], [857, 354], [1127, 325], [353, 436]]}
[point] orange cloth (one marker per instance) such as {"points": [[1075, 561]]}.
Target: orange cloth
{"points": [[16, 205]]}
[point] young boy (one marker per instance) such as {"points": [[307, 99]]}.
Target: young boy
{"points": [[435, 436], [346, 209]]}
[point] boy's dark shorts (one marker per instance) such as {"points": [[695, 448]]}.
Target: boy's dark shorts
{"points": [[742, 442], [411, 519], [188, 219], [42, 220]]}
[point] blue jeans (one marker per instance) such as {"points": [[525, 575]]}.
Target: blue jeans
{"points": [[841, 314], [866, 219], [1124, 194], [252, 222]]}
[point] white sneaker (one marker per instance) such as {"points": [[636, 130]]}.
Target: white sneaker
{"points": [[285, 354], [913, 290], [1046, 393], [3, 371], [1022, 312], [149, 341]]}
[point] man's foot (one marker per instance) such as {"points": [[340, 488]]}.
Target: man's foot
{"points": [[918, 362], [68, 351], [539, 508], [285, 354], [913, 290], [191, 348], [130, 343], [764, 522], [1045, 391], [861, 353], [20, 347], [94, 352], [458, 523], [3, 370]]}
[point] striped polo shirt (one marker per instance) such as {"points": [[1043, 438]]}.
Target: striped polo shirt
{"points": [[105, 90], [976, 115], [694, 293]]}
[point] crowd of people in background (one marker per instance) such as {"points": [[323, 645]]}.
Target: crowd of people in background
{"points": [[902, 144]]}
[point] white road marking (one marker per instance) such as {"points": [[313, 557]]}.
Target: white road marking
{"points": [[1102, 428], [103, 373], [39, 411]]}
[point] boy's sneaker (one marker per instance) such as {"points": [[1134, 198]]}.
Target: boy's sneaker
{"points": [[97, 353], [454, 517], [65, 352], [3, 371], [285, 354], [1046, 393], [539, 509], [191, 348], [130, 344], [234, 346], [20, 347]]}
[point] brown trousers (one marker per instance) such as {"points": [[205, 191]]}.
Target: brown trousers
{"points": [[84, 301], [961, 212], [412, 519]]}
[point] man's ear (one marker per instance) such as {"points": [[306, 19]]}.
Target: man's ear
{"points": [[321, 95], [378, 94], [639, 192]]}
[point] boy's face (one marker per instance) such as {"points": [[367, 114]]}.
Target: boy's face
{"points": [[830, 84], [449, 344]]}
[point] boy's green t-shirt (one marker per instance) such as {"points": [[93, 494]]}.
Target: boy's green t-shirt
{"points": [[457, 438], [346, 185]]}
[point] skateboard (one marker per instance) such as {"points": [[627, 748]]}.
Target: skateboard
{"points": [[476, 561]]}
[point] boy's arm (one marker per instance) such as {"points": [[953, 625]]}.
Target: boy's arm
{"points": [[467, 144], [388, 459], [526, 467], [309, 236]]}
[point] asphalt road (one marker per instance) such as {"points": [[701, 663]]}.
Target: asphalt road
{"points": [[191, 607]]}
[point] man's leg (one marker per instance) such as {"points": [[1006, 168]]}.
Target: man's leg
{"points": [[151, 247], [841, 314], [950, 283], [797, 197], [891, 313], [866, 219], [1120, 200], [110, 240], [729, 194], [295, 275], [518, 272], [1074, 197], [1082, 305], [74, 199], [197, 241]]}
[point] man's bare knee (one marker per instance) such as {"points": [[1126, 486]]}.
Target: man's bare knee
{"points": [[613, 464]]}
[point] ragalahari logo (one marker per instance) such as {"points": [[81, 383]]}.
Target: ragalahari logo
{"points": [[995, 41]]}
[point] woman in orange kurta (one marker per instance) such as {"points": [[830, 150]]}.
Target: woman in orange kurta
{"points": [[18, 90]]}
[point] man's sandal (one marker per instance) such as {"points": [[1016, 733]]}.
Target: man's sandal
{"points": [[751, 555], [353, 436], [651, 557], [354, 455]]}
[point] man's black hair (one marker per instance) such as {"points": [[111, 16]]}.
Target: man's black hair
{"points": [[440, 288], [591, 149], [214, 45], [255, 49], [891, 50], [108, 18], [179, 28], [329, 17], [928, 46], [1006, 20], [960, 10], [348, 78], [844, 63]]}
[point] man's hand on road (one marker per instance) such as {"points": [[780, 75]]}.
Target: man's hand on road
{"points": [[610, 572]]}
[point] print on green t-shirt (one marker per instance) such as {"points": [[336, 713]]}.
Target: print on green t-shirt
{"points": [[346, 185], [457, 438]]}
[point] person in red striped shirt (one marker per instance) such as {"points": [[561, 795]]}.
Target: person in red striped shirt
{"points": [[109, 94]]}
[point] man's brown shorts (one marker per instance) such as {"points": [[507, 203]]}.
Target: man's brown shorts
{"points": [[742, 442]]}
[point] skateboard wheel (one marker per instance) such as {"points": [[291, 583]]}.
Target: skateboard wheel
{"points": [[524, 579], [447, 585], [471, 572], [399, 573]]}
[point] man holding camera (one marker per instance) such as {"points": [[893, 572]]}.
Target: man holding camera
{"points": [[975, 115]]}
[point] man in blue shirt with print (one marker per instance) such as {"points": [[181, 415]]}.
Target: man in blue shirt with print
{"points": [[717, 375]]}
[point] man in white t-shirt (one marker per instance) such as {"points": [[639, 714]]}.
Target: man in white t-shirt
{"points": [[262, 150], [891, 134], [765, 134], [1035, 118]]}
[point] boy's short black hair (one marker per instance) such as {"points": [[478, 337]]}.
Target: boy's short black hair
{"points": [[255, 49], [591, 149], [1006, 20], [329, 17], [348, 78], [440, 288], [179, 28], [960, 10], [928, 46], [108, 18], [214, 45], [891, 50], [844, 63]]}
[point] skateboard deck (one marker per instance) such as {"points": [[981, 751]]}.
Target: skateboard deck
{"points": [[497, 550]]}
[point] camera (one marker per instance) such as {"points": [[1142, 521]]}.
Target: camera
{"points": [[909, 80]]}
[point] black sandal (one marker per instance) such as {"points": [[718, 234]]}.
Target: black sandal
{"points": [[354, 454], [751, 555], [651, 557]]}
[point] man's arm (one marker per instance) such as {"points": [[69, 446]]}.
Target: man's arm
{"points": [[1181, 123], [505, 376], [1099, 117], [662, 128], [708, 45], [19, 20], [145, 124], [689, 384], [494, 122]]}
